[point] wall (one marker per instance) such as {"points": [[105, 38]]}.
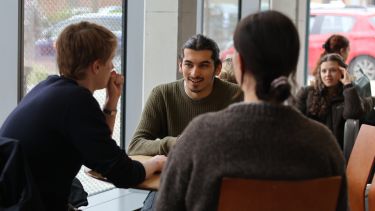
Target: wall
{"points": [[9, 57]]}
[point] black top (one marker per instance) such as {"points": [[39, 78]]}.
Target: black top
{"points": [[61, 126], [347, 105]]}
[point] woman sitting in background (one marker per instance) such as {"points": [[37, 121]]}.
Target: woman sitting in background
{"points": [[334, 44], [332, 98], [259, 138]]}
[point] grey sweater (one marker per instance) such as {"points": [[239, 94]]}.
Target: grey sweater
{"points": [[248, 141]]}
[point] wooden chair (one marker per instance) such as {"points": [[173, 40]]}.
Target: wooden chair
{"points": [[281, 195], [358, 171]]}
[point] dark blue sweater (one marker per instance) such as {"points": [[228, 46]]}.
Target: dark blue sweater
{"points": [[61, 126]]}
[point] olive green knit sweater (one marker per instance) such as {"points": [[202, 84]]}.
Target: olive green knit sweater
{"points": [[168, 111]]}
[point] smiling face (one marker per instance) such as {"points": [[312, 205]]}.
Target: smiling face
{"points": [[330, 73], [199, 72]]}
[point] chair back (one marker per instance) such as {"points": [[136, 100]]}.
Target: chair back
{"points": [[281, 195], [358, 171], [350, 134]]}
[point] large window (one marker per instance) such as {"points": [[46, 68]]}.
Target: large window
{"points": [[43, 21], [219, 22], [354, 20]]}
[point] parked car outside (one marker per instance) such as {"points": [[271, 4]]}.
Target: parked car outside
{"points": [[45, 46], [357, 24]]}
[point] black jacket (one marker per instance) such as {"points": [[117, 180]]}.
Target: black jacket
{"points": [[348, 105], [17, 189]]}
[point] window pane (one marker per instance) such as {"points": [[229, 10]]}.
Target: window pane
{"points": [[336, 24], [43, 22], [265, 5], [220, 19], [355, 22]]}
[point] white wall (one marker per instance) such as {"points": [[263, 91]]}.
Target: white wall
{"points": [[296, 10], [134, 70], [8, 57], [160, 43]]}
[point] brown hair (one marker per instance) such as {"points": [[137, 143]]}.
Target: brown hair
{"points": [[227, 71], [333, 44], [321, 99], [79, 45], [200, 42], [268, 42]]}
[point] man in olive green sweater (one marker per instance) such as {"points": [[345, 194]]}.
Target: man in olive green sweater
{"points": [[172, 106]]}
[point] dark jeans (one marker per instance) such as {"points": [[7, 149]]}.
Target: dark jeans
{"points": [[149, 203]]}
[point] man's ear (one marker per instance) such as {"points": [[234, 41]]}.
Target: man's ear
{"points": [[180, 67], [218, 69], [94, 67]]}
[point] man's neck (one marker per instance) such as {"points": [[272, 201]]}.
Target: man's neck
{"points": [[198, 95]]}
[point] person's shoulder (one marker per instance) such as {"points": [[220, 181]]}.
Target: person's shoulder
{"points": [[304, 91], [167, 87], [228, 88], [211, 119], [67, 89], [307, 88], [227, 84], [314, 128]]}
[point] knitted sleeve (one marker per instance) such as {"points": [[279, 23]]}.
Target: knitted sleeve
{"points": [[175, 178], [149, 136], [87, 131], [354, 106]]}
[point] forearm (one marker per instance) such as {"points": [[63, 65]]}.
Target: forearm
{"points": [[110, 119], [113, 93], [144, 146], [353, 105], [126, 173]]}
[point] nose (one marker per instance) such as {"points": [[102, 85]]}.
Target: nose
{"points": [[195, 72]]}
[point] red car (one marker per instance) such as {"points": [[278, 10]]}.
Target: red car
{"points": [[357, 24]]}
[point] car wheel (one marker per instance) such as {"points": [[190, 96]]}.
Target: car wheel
{"points": [[366, 63]]}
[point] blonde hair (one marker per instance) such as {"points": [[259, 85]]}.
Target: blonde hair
{"points": [[79, 45], [227, 71]]}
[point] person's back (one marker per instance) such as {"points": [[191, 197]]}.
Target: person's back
{"points": [[60, 126], [260, 138], [270, 144]]}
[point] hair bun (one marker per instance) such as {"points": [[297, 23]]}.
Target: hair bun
{"points": [[280, 89]]}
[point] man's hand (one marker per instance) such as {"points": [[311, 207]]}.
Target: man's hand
{"points": [[153, 165], [114, 89]]}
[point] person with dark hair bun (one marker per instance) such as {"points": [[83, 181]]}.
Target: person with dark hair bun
{"points": [[258, 138], [332, 98], [336, 43]]}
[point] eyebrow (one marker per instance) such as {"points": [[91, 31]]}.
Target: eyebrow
{"points": [[202, 62]]}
